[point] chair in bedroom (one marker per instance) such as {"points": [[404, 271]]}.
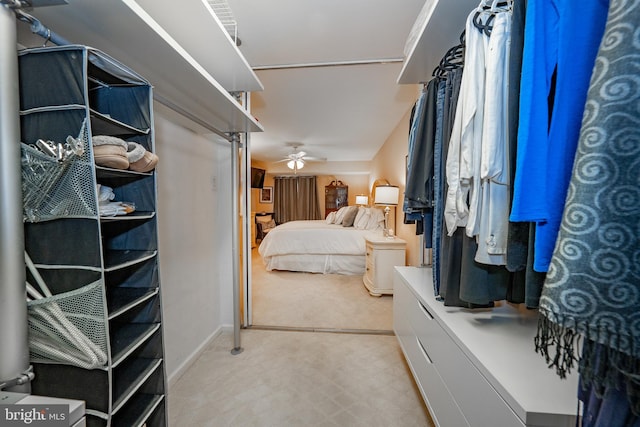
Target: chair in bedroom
{"points": [[264, 224]]}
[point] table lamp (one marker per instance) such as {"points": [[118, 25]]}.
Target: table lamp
{"points": [[387, 196], [362, 200]]}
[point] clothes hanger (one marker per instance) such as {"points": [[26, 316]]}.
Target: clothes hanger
{"points": [[490, 11]]}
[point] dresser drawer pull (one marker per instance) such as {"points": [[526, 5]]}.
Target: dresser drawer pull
{"points": [[425, 310], [424, 351]]}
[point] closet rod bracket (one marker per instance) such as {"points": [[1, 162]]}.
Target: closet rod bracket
{"points": [[22, 379], [22, 4]]}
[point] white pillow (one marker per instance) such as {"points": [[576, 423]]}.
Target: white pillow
{"points": [[330, 218], [376, 219], [340, 215], [362, 219]]}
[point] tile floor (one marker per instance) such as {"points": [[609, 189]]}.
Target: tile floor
{"points": [[285, 378]]}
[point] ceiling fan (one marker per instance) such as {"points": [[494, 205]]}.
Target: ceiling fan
{"points": [[297, 159]]}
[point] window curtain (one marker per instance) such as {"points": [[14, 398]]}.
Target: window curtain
{"points": [[296, 198]]}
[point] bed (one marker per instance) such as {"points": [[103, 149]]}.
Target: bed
{"points": [[322, 246]]}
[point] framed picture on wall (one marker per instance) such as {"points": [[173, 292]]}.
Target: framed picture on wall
{"points": [[266, 195]]}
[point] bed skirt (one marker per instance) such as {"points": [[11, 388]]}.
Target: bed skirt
{"points": [[325, 264]]}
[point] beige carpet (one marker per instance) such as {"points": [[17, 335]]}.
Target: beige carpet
{"points": [[320, 301]]}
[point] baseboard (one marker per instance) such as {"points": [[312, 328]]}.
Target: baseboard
{"points": [[184, 366]]}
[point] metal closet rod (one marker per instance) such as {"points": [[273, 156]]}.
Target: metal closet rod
{"points": [[328, 64], [164, 101], [38, 28]]}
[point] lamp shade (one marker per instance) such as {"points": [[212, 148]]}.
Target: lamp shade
{"points": [[295, 164], [362, 200], [387, 195]]}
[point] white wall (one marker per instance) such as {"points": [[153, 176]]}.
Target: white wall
{"points": [[193, 239]]}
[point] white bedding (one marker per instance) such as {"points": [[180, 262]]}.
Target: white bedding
{"points": [[316, 247]]}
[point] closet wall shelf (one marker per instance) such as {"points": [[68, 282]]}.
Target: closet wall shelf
{"points": [[47, 108], [134, 216], [105, 125], [142, 407], [139, 370], [117, 259], [121, 300], [127, 338], [125, 31], [66, 267], [104, 172], [439, 30], [203, 35]]}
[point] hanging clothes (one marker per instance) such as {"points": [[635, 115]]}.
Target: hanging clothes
{"points": [[467, 131], [493, 214], [447, 275], [561, 40], [464, 281], [518, 232], [438, 208], [592, 289], [418, 200]]}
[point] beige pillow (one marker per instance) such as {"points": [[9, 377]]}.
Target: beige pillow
{"points": [[340, 215], [350, 216], [330, 218]]}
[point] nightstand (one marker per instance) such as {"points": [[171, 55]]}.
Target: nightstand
{"points": [[382, 254]]}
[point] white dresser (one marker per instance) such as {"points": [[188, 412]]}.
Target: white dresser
{"points": [[477, 367], [382, 254]]}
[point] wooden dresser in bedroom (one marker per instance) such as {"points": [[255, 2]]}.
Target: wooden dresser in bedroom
{"points": [[336, 195], [382, 254]]}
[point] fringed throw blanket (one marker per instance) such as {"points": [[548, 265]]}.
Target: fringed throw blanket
{"points": [[592, 290]]}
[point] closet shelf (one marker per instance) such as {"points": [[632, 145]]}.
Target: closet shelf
{"points": [[104, 172], [118, 259], [125, 31], [129, 337], [133, 375], [142, 406], [104, 125], [439, 31], [134, 216], [205, 34], [121, 300]]}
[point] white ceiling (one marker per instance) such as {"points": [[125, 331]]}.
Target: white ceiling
{"points": [[340, 112]]}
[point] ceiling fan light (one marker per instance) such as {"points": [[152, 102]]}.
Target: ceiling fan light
{"points": [[295, 164]]}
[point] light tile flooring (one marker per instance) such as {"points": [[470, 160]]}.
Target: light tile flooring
{"points": [[285, 378]]}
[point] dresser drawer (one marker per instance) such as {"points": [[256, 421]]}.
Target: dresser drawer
{"points": [[441, 404], [479, 401]]}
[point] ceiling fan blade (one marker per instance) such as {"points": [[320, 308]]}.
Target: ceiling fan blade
{"points": [[315, 159]]}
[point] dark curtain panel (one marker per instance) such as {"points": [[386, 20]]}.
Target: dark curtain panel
{"points": [[296, 198], [308, 204]]}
